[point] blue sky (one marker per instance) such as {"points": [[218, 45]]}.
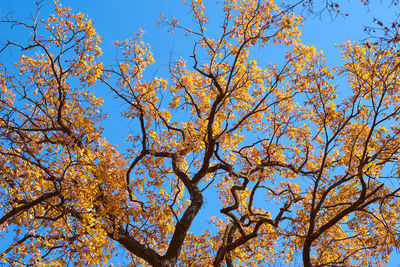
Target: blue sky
{"points": [[119, 19]]}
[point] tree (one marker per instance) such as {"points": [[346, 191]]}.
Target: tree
{"points": [[298, 170]]}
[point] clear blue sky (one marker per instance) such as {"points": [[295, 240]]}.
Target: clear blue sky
{"points": [[119, 19]]}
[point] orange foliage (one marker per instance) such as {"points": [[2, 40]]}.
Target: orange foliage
{"points": [[296, 169]]}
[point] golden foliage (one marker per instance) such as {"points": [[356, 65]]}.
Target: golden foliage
{"points": [[286, 165]]}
